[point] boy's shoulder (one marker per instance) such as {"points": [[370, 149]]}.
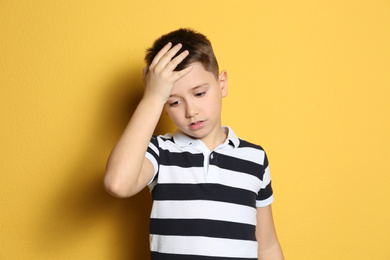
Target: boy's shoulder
{"points": [[246, 144], [162, 139]]}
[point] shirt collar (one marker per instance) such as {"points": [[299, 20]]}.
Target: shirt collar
{"points": [[182, 139]]}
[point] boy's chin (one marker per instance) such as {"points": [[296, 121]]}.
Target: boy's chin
{"points": [[190, 134]]}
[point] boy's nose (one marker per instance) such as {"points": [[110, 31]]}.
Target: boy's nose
{"points": [[191, 111]]}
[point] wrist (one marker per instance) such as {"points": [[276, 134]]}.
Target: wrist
{"points": [[153, 101]]}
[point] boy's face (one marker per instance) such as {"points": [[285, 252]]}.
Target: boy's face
{"points": [[195, 104]]}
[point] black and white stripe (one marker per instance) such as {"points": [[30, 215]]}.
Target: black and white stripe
{"points": [[204, 203]]}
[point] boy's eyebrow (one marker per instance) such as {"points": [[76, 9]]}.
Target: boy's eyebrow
{"points": [[194, 88], [201, 85]]}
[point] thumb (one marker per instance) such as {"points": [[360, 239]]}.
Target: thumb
{"points": [[145, 71]]}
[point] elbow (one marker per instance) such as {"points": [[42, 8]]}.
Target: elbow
{"points": [[116, 188]]}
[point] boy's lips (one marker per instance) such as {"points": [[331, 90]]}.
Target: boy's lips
{"points": [[197, 125]]}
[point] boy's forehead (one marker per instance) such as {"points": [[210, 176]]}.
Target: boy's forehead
{"points": [[197, 76], [197, 67]]}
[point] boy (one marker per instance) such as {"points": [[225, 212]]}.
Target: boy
{"points": [[211, 190]]}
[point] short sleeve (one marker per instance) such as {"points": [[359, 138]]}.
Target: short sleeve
{"points": [[265, 194], [152, 153]]}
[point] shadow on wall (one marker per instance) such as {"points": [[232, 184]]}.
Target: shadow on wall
{"points": [[82, 208]]}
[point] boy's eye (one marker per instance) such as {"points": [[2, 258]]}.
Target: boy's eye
{"points": [[200, 94], [175, 103]]}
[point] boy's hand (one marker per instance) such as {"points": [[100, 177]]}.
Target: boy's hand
{"points": [[160, 76]]}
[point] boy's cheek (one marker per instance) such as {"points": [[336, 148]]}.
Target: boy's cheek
{"points": [[171, 115]]}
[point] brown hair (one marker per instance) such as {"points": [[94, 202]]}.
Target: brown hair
{"points": [[199, 47]]}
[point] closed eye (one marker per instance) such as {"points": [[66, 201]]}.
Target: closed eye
{"points": [[175, 103], [200, 94]]}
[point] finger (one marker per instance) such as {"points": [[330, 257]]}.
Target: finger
{"points": [[179, 74], [177, 60], [161, 53], [172, 52], [145, 71], [167, 57]]}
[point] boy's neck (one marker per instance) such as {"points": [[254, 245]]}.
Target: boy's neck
{"points": [[219, 138]]}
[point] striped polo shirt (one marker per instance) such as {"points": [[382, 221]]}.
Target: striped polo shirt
{"points": [[204, 202]]}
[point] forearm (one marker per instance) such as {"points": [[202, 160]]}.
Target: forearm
{"points": [[269, 247], [126, 159], [274, 252], [127, 170]]}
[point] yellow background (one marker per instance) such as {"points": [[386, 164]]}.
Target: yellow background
{"points": [[308, 80]]}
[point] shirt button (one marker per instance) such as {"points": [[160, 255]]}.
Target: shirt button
{"points": [[212, 156]]}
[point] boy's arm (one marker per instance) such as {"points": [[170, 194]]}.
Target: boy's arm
{"points": [[269, 247], [127, 170]]}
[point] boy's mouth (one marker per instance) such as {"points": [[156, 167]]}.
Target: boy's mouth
{"points": [[197, 125]]}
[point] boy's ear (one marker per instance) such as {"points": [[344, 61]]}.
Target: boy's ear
{"points": [[223, 83]]}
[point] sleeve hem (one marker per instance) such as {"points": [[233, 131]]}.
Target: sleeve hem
{"points": [[154, 162], [264, 203]]}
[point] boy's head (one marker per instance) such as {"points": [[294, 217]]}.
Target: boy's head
{"points": [[199, 47]]}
